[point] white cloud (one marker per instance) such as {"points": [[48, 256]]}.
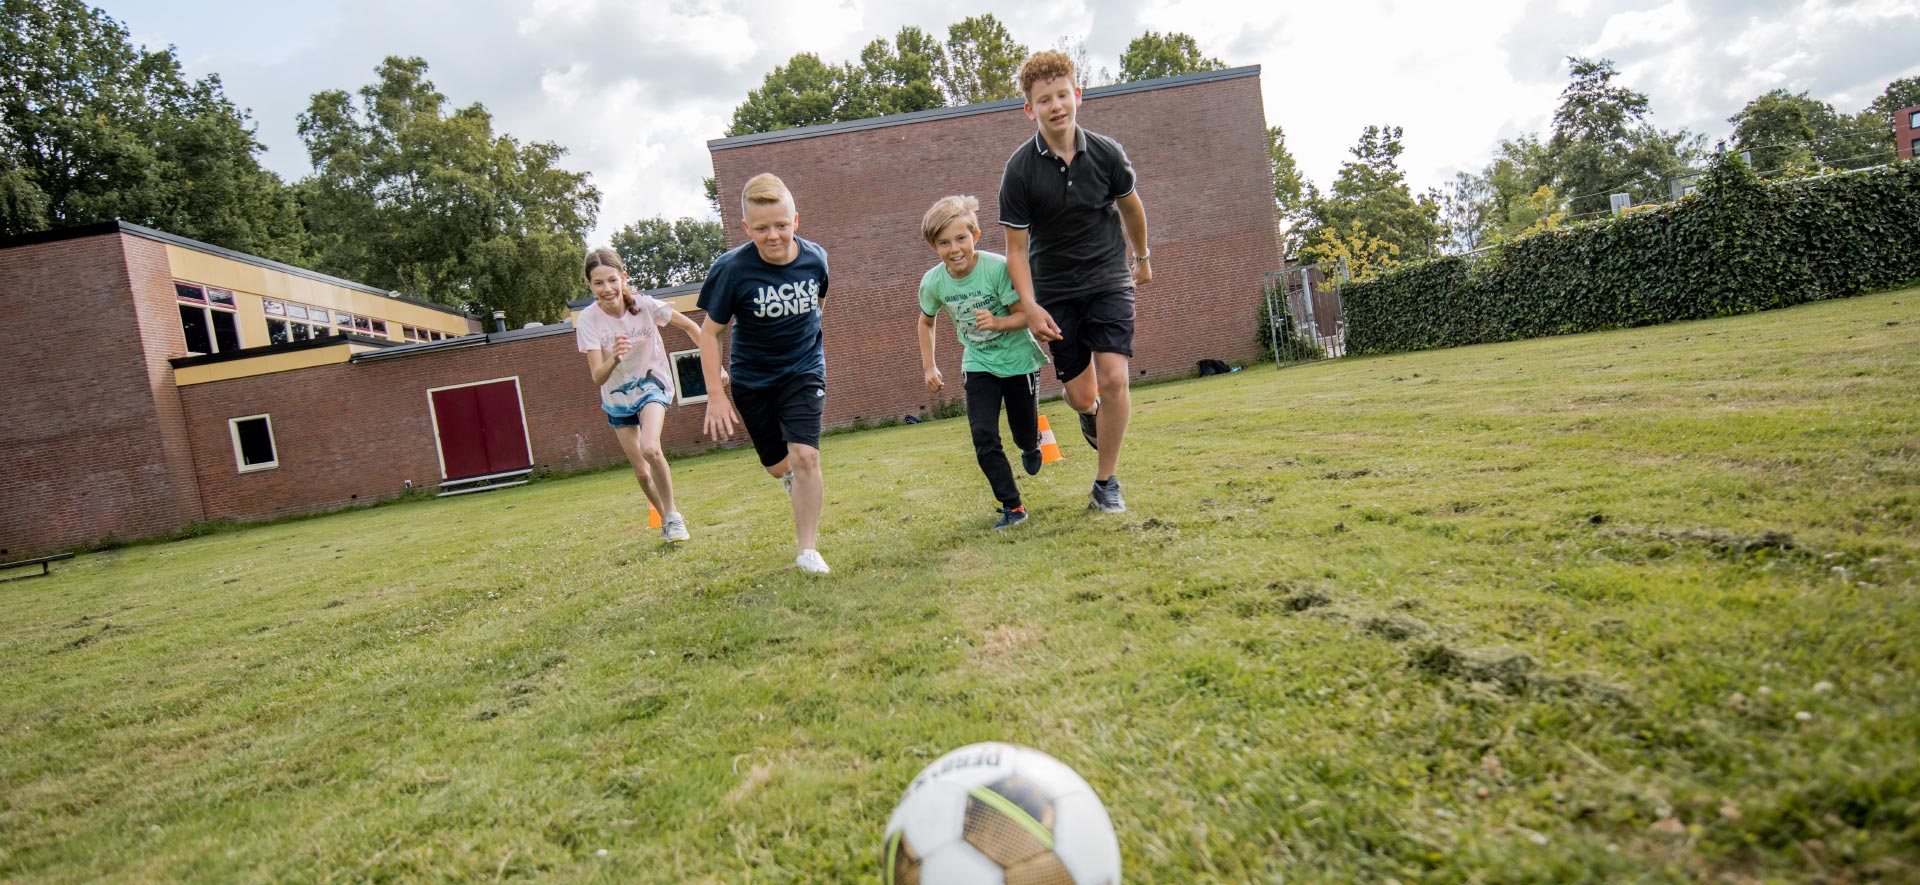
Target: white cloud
{"points": [[635, 88]]}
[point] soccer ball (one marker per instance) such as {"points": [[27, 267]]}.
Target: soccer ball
{"points": [[998, 814]]}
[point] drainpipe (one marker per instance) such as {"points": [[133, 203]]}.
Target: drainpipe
{"points": [[500, 321]]}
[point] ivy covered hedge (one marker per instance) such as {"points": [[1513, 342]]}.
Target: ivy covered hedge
{"points": [[1739, 245]]}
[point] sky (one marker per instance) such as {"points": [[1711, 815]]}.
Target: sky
{"points": [[634, 89]]}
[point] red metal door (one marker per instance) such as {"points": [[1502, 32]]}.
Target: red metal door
{"points": [[481, 429]]}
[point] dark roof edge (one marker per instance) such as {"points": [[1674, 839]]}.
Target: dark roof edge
{"points": [[719, 144], [127, 227], [334, 340]]}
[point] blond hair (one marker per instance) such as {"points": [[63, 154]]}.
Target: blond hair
{"points": [[948, 210], [1044, 65], [764, 189]]}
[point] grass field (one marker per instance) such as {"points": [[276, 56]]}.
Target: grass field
{"points": [[1633, 606]]}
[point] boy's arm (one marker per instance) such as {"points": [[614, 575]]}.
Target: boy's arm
{"points": [[927, 367], [1133, 217], [1016, 318], [721, 416], [1020, 271]]}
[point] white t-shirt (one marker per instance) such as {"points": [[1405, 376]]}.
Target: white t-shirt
{"points": [[645, 366]]}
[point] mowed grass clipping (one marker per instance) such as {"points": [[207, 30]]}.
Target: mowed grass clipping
{"points": [[1632, 606]]}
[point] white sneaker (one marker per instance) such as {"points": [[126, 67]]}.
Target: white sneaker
{"points": [[673, 528], [810, 562]]}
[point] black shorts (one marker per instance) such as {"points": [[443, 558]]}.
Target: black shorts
{"points": [[775, 416], [1100, 323]]}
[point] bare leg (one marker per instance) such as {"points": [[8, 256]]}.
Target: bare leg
{"points": [[630, 443], [1082, 391], [651, 419], [1116, 406], [809, 490]]}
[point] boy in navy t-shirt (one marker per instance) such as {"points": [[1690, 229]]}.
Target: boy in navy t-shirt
{"points": [[769, 292]]}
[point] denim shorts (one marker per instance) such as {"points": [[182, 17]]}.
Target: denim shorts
{"points": [[650, 392]]}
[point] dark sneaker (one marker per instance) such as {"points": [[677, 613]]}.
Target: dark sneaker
{"points": [[1090, 425], [1011, 517], [1106, 496], [1030, 461]]}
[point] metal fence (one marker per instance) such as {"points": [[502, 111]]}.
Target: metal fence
{"points": [[1304, 317]]}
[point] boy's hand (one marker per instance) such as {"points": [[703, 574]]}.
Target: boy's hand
{"points": [[983, 319], [1142, 272], [1041, 324], [934, 381], [721, 417]]}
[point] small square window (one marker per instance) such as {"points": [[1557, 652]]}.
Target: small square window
{"points": [[221, 297], [1913, 121], [363, 324], [688, 378], [342, 319], [380, 326], [273, 307], [278, 331], [190, 292], [316, 314], [296, 311], [253, 443], [302, 331]]}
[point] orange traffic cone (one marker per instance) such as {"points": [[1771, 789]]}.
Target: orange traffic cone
{"points": [[1049, 448], [653, 516]]}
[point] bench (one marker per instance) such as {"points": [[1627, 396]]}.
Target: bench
{"points": [[45, 563]]}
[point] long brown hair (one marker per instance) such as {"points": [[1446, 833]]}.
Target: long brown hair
{"points": [[605, 257]]}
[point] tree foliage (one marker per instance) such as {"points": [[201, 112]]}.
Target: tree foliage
{"points": [[1602, 143], [1370, 193], [1153, 55], [912, 72], [659, 253], [93, 128], [983, 61], [408, 196]]}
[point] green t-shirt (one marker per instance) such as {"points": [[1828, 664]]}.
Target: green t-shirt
{"points": [[988, 288]]}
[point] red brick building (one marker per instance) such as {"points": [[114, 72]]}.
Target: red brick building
{"points": [[128, 428], [1197, 142], [1906, 132]]}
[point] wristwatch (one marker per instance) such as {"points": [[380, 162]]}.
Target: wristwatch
{"points": [[1143, 259]]}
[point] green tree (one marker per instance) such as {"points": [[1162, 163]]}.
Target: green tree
{"points": [[1777, 128], [1152, 55], [93, 128], [660, 253], [896, 78], [1290, 192], [983, 61], [803, 92], [1467, 213], [1602, 143], [1370, 193], [407, 196]]}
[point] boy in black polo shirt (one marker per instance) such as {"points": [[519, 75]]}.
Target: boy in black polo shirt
{"points": [[1068, 204], [769, 291]]}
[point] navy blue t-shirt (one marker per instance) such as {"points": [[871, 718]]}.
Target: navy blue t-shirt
{"points": [[775, 311]]}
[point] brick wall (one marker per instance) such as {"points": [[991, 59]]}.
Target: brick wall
{"points": [[1199, 150], [354, 433], [90, 426], [1904, 132]]}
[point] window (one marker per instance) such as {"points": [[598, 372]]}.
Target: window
{"points": [[207, 318], [253, 443], [303, 322], [1913, 120], [688, 379]]}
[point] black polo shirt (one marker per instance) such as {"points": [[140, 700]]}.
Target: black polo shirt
{"points": [[1075, 243]]}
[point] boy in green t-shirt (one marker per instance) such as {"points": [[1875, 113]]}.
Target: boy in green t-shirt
{"points": [[1001, 360]]}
